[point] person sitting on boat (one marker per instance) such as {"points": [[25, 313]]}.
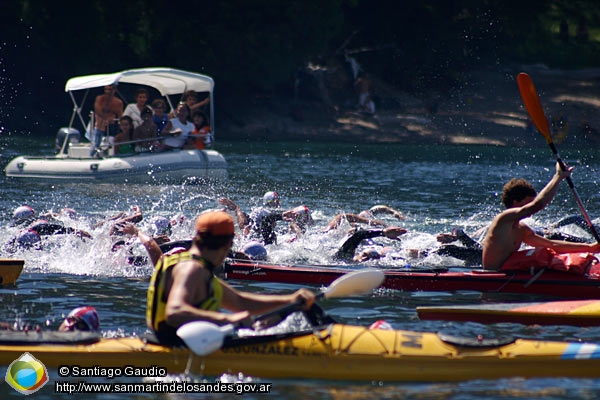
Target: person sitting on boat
{"points": [[81, 319], [507, 231], [347, 251], [134, 110], [470, 250], [177, 129], [125, 135], [191, 99], [146, 130], [160, 117], [200, 136], [108, 108], [184, 288]]}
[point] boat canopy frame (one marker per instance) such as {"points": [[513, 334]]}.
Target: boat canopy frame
{"points": [[167, 81]]}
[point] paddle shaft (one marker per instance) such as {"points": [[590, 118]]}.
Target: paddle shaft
{"points": [[280, 313], [575, 194], [534, 108]]}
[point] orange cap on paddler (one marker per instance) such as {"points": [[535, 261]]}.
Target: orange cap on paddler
{"points": [[216, 223]]}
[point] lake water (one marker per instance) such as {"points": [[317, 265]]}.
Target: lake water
{"points": [[436, 187]]}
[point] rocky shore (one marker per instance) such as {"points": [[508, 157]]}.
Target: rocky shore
{"points": [[484, 108]]}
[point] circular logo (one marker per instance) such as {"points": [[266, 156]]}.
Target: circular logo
{"points": [[26, 374]]}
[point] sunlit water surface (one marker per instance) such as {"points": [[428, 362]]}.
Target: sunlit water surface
{"points": [[437, 188]]}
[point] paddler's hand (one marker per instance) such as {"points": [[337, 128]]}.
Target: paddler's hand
{"points": [[241, 318], [304, 296], [563, 174]]}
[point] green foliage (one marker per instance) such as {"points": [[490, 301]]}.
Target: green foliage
{"points": [[257, 45]]}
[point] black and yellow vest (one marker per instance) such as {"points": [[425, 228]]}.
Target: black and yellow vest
{"points": [[157, 297]]}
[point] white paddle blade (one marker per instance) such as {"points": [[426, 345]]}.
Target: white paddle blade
{"points": [[355, 283], [203, 337]]}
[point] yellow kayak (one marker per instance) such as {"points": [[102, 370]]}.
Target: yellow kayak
{"points": [[338, 352], [10, 270]]}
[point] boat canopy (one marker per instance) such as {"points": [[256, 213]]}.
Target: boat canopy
{"points": [[167, 81]]}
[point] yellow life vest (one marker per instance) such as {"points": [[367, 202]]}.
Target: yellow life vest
{"points": [[157, 297]]}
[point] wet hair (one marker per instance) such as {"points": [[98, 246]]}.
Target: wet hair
{"points": [[516, 190]]}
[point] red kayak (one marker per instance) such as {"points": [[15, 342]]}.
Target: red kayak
{"points": [[572, 312], [542, 282]]}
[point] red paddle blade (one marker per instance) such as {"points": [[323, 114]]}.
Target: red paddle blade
{"points": [[533, 105]]}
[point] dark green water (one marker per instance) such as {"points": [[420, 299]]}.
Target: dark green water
{"points": [[437, 188]]}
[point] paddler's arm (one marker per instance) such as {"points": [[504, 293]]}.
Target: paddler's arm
{"points": [[257, 303], [560, 246], [545, 196], [188, 289]]}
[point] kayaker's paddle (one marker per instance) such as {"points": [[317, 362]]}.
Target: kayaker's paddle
{"points": [[350, 284], [204, 337], [534, 108]]}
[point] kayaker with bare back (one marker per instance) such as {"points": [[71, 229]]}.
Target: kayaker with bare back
{"points": [[507, 231]]}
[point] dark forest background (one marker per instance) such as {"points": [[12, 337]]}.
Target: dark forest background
{"points": [[255, 47]]}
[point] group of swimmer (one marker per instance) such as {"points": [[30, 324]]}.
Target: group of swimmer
{"points": [[184, 286], [257, 230]]}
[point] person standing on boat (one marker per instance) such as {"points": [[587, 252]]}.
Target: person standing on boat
{"points": [[507, 231], [108, 109], [184, 288], [134, 110]]}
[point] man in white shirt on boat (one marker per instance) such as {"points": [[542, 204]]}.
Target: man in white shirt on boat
{"points": [[134, 110], [178, 129]]}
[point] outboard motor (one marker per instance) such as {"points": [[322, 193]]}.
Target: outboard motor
{"points": [[70, 135]]}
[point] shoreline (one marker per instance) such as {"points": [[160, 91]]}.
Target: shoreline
{"points": [[486, 109]]}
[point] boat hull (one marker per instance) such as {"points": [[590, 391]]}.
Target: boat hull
{"points": [[550, 283], [10, 270], [171, 166], [338, 352], [573, 312]]}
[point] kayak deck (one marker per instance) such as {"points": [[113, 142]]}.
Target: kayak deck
{"points": [[549, 282], [338, 352], [574, 312]]}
